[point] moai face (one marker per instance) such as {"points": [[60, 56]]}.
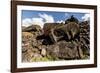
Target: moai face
{"points": [[68, 31]]}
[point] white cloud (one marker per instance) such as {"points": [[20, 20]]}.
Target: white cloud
{"points": [[47, 18], [26, 22], [33, 21], [61, 21], [38, 21], [43, 18], [86, 17]]}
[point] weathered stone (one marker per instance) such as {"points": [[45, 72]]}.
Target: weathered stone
{"points": [[68, 31], [56, 41], [36, 55], [43, 52], [42, 47], [26, 36], [32, 28], [65, 50], [36, 58], [85, 37]]}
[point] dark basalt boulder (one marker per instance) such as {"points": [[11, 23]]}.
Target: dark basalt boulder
{"points": [[85, 37], [65, 50], [56, 41]]}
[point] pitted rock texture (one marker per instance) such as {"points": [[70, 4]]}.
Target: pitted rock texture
{"points": [[56, 41]]}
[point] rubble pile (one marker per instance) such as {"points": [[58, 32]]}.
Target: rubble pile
{"points": [[56, 41]]}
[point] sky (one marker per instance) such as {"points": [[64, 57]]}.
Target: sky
{"points": [[32, 17]]}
